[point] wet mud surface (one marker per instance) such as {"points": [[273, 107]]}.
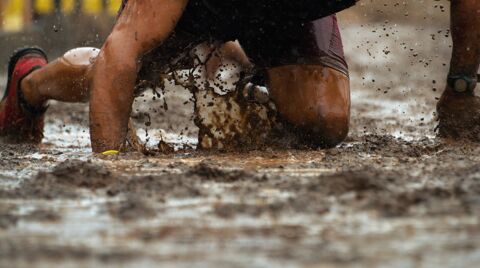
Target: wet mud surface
{"points": [[392, 195]]}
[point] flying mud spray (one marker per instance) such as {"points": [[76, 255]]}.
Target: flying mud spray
{"points": [[230, 112]]}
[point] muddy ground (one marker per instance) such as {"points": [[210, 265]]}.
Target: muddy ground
{"points": [[392, 195]]}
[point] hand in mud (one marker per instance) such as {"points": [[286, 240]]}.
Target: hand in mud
{"points": [[134, 143], [459, 116]]}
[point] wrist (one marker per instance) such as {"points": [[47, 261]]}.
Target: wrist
{"points": [[462, 83]]}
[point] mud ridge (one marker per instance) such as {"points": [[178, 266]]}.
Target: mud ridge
{"points": [[63, 181]]}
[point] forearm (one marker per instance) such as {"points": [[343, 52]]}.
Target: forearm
{"points": [[465, 26], [111, 100], [115, 71]]}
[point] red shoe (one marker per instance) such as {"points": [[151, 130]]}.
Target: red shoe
{"points": [[19, 121]]}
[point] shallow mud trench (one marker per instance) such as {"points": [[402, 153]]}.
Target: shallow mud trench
{"points": [[390, 196]]}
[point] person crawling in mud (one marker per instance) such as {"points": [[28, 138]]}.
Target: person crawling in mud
{"points": [[296, 44]]}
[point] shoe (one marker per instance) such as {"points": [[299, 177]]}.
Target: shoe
{"points": [[19, 121]]}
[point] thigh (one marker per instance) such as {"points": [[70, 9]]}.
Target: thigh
{"points": [[313, 98], [314, 43], [307, 76]]}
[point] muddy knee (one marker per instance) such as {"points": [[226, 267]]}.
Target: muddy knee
{"points": [[314, 99], [325, 131]]}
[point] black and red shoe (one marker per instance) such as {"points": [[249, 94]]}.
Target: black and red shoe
{"points": [[19, 121]]}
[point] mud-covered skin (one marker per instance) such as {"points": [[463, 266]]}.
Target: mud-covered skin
{"points": [[315, 100], [64, 79], [459, 113], [115, 70]]}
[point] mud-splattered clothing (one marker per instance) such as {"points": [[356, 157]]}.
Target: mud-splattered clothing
{"points": [[272, 32]]}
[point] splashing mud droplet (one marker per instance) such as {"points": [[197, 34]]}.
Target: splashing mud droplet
{"points": [[227, 117]]}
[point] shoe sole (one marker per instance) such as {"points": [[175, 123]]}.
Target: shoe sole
{"points": [[17, 55]]}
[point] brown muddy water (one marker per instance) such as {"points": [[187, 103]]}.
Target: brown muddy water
{"points": [[392, 195]]}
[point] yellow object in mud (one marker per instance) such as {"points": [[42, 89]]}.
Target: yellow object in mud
{"points": [[111, 152]]}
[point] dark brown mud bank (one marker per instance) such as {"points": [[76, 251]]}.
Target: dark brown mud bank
{"points": [[410, 202]]}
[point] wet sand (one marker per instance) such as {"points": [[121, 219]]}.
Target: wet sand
{"points": [[392, 195]]}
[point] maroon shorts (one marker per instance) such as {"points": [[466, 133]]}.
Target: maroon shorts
{"points": [[269, 41]]}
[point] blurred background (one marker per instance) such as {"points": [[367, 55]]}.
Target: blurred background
{"points": [[55, 25]]}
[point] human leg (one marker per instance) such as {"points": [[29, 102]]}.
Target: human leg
{"points": [[459, 108], [32, 82], [308, 78], [315, 99], [64, 79]]}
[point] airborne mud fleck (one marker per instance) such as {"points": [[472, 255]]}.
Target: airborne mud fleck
{"points": [[392, 195]]}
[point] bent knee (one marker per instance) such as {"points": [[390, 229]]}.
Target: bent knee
{"points": [[326, 132], [315, 99]]}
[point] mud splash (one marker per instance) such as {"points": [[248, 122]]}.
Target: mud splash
{"points": [[226, 119]]}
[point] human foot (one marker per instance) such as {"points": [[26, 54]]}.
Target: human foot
{"points": [[19, 121], [459, 115]]}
